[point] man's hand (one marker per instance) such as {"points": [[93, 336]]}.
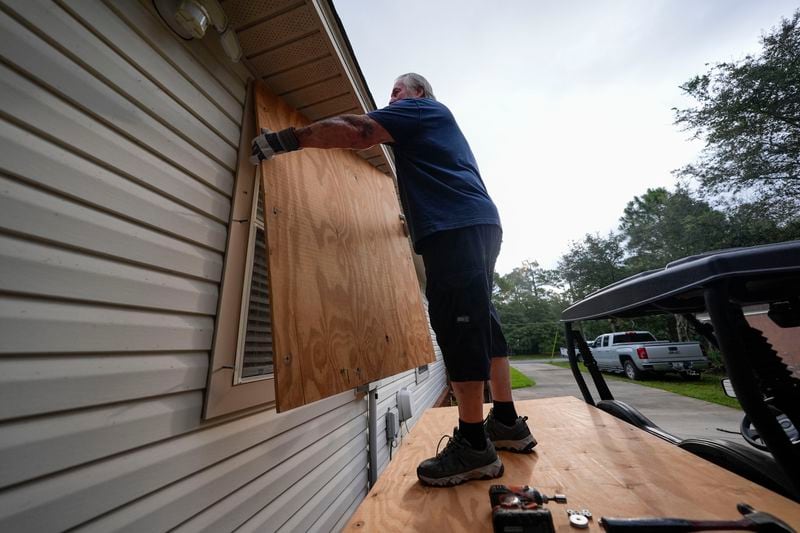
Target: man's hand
{"points": [[269, 144]]}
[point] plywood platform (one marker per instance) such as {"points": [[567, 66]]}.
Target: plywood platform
{"points": [[599, 462]]}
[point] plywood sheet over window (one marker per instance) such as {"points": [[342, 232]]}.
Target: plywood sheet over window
{"points": [[346, 305]]}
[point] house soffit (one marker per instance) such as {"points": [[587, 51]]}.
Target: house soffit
{"points": [[298, 48]]}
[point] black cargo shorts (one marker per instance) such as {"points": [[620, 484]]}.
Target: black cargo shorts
{"points": [[459, 267]]}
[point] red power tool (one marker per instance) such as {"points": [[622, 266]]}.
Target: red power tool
{"points": [[518, 509]]}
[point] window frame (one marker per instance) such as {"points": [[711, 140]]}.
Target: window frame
{"points": [[254, 225], [224, 395]]}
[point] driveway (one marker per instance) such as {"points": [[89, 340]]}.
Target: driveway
{"points": [[683, 417]]}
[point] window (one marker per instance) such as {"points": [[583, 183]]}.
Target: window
{"points": [[336, 315], [633, 336], [605, 340], [241, 373], [254, 351]]}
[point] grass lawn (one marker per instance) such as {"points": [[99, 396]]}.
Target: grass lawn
{"points": [[708, 388], [520, 380]]}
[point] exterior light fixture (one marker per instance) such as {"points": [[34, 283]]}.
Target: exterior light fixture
{"points": [[191, 18]]}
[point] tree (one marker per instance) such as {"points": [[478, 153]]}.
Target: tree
{"points": [[592, 264], [662, 226], [749, 114], [747, 226], [529, 278], [528, 307]]}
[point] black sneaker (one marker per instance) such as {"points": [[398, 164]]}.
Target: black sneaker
{"points": [[516, 438], [459, 462]]}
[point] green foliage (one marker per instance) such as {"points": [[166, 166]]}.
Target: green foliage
{"points": [[748, 112], [661, 226], [656, 228], [529, 307], [715, 360], [592, 264], [749, 224], [526, 280]]}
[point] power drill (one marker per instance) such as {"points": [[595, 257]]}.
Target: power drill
{"points": [[518, 509]]}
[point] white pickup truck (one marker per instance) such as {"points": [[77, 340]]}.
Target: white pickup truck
{"points": [[638, 352]]}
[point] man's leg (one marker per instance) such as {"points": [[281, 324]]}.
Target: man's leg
{"points": [[501, 380], [456, 291], [503, 409], [469, 395]]}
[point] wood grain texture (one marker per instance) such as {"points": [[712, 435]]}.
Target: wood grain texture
{"points": [[601, 463], [346, 300]]}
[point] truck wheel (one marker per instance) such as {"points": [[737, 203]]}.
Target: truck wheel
{"points": [[631, 371]]}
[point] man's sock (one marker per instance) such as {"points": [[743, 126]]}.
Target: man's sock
{"points": [[505, 413], [473, 432]]}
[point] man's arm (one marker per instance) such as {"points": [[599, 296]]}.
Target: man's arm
{"points": [[345, 131]]}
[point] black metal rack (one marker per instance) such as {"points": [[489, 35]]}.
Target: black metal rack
{"points": [[719, 283]]}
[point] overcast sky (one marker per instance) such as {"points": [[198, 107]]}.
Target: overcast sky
{"points": [[566, 104]]}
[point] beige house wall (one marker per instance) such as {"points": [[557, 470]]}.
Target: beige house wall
{"points": [[118, 147]]}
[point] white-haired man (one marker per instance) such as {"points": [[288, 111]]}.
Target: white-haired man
{"points": [[456, 228]]}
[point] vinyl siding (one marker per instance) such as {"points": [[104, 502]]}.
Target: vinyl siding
{"points": [[156, 487], [264, 499], [28, 384], [423, 396], [118, 146]]}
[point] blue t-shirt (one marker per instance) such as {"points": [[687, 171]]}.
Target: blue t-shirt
{"points": [[440, 186]]}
